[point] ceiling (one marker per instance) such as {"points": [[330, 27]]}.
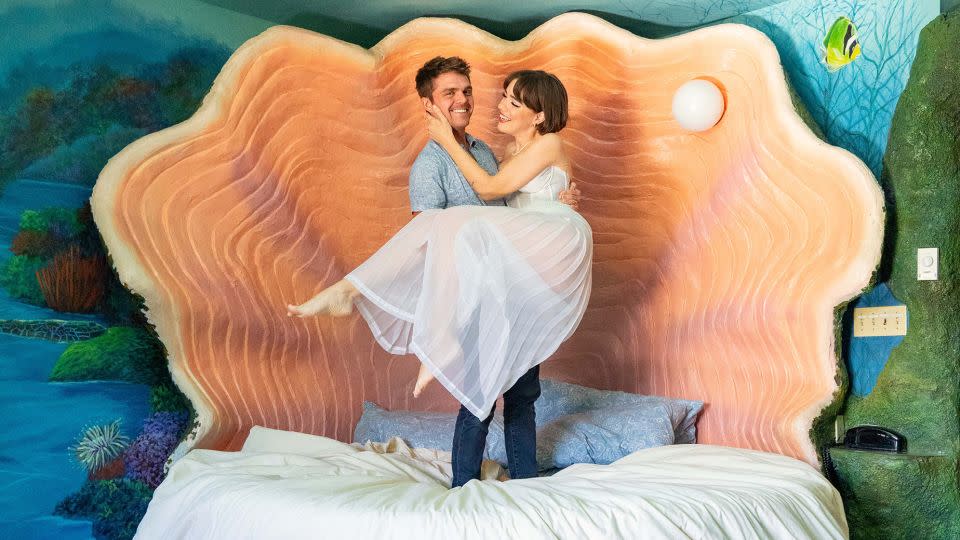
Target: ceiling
{"points": [[365, 23]]}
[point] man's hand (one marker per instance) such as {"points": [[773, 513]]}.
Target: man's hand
{"points": [[571, 196]]}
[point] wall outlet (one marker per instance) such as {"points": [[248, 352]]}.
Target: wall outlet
{"points": [[928, 260], [880, 321]]}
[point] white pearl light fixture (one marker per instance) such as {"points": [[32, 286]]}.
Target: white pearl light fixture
{"points": [[698, 105]]}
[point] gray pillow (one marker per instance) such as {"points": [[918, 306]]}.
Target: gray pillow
{"points": [[420, 429], [602, 436], [575, 424], [560, 399]]}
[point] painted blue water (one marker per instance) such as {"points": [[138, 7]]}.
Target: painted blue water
{"points": [[27, 194], [40, 420]]}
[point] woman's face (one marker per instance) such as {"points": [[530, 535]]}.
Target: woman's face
{"points": [[514, 117]]}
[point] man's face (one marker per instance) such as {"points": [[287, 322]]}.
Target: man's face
{"points": [[453, 94]]}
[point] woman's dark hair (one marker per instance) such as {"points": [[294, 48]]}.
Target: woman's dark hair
{"points": [[436, 67], [541, 92]]}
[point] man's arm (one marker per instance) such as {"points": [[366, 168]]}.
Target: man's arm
{"points": [[426, 188]]}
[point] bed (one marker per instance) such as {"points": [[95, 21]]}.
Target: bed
{"points": [[290, 485]]}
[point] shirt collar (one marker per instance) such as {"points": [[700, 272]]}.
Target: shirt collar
{"points": [[470, 140]]}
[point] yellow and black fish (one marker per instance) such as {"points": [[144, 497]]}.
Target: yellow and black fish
{"points": [[841, 45]]}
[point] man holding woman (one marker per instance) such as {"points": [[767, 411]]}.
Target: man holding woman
{"points": [[487, 289]]}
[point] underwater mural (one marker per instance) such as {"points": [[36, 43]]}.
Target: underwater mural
{"points": [[90, 414]]}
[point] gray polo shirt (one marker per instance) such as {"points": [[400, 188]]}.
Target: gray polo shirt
{"points": [[436, 182]]}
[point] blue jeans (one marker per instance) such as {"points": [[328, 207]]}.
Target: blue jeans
{"points": [[519, 432]]}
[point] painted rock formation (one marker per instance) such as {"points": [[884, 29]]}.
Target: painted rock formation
{"points": [[719, 256], [918, 392]]}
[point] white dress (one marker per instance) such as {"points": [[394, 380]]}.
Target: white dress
{"points": [[481, 293]]}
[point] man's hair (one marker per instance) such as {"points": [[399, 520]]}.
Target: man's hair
{"points": [[436, 67], [541, 92]]}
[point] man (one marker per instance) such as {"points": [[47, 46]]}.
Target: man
{"points": [[436, 182]]}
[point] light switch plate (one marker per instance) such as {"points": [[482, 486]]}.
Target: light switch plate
{"points": [[880, 321], [928, 260]]}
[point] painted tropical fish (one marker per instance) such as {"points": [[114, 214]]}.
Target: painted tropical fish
{"points": [[841, 45]]}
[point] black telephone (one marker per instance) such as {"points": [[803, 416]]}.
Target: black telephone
{"points": [[875, 438]]}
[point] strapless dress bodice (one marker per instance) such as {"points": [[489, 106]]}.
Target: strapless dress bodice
{"points": [[542, 192]]}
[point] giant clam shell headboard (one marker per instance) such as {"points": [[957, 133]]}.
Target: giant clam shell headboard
{"points": [[719, 256]]}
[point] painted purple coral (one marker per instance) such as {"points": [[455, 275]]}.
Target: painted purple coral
{"points": [[146, 456]]}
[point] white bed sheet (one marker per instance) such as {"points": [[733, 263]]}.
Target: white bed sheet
{"points": [[290, 485]]}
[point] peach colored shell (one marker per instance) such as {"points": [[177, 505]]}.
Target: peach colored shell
{"points": [[719, 256]]}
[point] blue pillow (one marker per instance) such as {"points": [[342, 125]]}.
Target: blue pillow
{"points": [[601, 436], [420, 429], [575, 424], [560, 399]]}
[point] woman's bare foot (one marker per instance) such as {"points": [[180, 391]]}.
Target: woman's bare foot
{"points": [[423, 379], [336, 301]]}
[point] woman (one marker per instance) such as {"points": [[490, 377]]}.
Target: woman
{"points": [[481, 294]]}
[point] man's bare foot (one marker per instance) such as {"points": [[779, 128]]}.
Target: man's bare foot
{"points": [[423, 379], [336, 301]]}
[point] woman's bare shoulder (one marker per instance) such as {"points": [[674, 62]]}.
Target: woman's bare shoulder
{"points": [[551, 141]]}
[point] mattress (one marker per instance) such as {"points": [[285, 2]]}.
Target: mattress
{"points": [[292, 485]]}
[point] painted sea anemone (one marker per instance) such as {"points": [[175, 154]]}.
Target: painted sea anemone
{"points": [[99, 445], [148, 453]]}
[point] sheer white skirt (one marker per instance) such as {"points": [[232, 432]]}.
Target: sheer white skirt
{"points": [[480, 294]]}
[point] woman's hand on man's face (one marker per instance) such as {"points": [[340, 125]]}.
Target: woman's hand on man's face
{"points": [[438, 127]]}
